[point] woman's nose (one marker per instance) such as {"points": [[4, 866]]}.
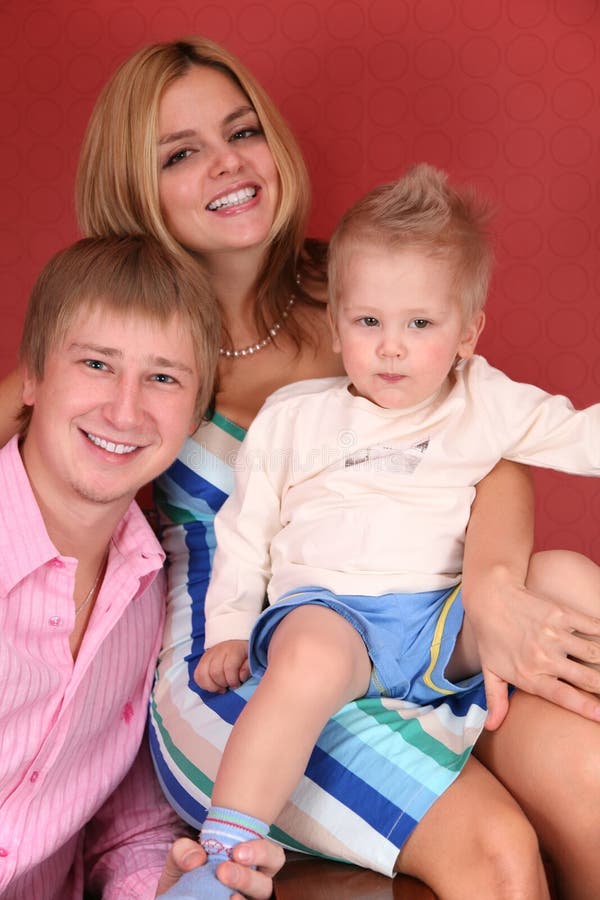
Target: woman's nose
{"points": [[225, 160]]}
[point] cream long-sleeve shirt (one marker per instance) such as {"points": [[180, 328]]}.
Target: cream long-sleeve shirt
{"points": [[335, 491]]}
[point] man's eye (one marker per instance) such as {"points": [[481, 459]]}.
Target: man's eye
{"points": [[420, 323], [369, 321], [163, 379]]}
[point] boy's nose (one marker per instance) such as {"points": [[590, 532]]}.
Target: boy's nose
{"points": [[392, 346]]}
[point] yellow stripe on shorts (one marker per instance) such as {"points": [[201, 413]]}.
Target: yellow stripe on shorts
{"points": [[434, 652]]}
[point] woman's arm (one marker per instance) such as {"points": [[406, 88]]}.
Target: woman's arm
{"points": [[11, 389], [522, 636]]}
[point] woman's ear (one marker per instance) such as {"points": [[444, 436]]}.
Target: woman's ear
{"points": [[470, 335]]}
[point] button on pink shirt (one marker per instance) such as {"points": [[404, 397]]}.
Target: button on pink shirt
{"points": [[70, 731]]}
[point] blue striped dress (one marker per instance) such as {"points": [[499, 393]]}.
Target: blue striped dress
{"points": [[379, 763]]}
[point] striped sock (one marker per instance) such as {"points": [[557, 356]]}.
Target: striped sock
{"points": [[222, 830]]}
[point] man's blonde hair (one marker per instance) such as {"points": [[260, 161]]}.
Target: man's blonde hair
{"points": [[423, 211], [131, 275]]}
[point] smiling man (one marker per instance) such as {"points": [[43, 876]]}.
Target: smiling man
{"points": [[118, 355]]}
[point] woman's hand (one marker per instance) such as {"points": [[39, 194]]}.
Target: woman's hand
{"points": [[239, 875], [223, 666], [526, 639], [525, 635]]}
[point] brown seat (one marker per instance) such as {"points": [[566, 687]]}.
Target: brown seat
{"points": [[310, 878]]}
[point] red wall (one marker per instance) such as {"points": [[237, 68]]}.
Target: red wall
{"points": [[504, 93]]}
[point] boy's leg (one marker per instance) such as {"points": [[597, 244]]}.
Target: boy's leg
{"points": [[464, 661], [574, 581], [476, 842], [317, 662], [562, 575]]}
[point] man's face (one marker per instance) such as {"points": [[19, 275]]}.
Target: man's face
{"points": [[113, 408]]}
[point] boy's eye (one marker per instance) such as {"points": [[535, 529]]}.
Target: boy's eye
{"points": [[369, 321], [420, 323], [161, 378], [94, 364]]}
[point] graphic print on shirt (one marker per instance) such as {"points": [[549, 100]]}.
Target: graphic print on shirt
{"points": [[384, 458]]}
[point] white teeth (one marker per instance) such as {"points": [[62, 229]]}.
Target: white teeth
{"points": [[108, 445], [233, 199]]}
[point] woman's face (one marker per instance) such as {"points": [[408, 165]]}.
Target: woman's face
{"points": [[218, 183]]}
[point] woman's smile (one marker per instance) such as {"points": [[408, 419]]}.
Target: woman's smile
{"points": [[218, 182]]}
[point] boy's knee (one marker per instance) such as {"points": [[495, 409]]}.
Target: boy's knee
{"points": [[555, 570], [316, 663]]}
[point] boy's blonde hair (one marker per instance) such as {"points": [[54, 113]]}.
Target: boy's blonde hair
{"points": [[117, 177], [130, 275], [420, 210]]}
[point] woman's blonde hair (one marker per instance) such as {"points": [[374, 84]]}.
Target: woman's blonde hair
{"points": [[117, 180]]}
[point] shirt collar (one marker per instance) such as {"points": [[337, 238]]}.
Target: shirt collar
{"points": [[24, 542]]}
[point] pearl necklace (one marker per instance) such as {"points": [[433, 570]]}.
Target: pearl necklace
{"points": [[254, 348]]}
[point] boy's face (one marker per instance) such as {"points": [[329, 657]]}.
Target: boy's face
{"points": [[113, 408], [398, 327]]}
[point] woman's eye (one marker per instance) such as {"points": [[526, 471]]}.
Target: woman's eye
{"points": [[369, 321], [242, 134], [174, 158], [420, 323]]}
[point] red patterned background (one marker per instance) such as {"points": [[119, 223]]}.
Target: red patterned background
{"points": [[503, 93]]}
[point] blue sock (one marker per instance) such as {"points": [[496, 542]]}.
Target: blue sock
{"points": [[222, 830]]}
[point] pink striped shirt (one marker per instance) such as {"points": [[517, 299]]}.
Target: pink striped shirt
{"points": [[70, 731]]}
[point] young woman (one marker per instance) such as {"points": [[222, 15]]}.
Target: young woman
{"points": [[185, 144]]}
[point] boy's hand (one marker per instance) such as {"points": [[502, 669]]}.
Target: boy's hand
{"points": [[223, 666]]}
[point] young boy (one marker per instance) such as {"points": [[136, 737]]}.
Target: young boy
{"points": [[353, 519]]}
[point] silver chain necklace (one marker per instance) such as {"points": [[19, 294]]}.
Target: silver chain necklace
{"points": [[91, 591]]}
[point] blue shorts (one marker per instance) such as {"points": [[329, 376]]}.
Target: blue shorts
{"points": [[409, 638]]}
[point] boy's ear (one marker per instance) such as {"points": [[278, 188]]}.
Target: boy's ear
{"points": [[335, 338], [470, 335]]}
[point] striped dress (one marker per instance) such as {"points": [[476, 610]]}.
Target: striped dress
{"points": [[379, 764]]}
